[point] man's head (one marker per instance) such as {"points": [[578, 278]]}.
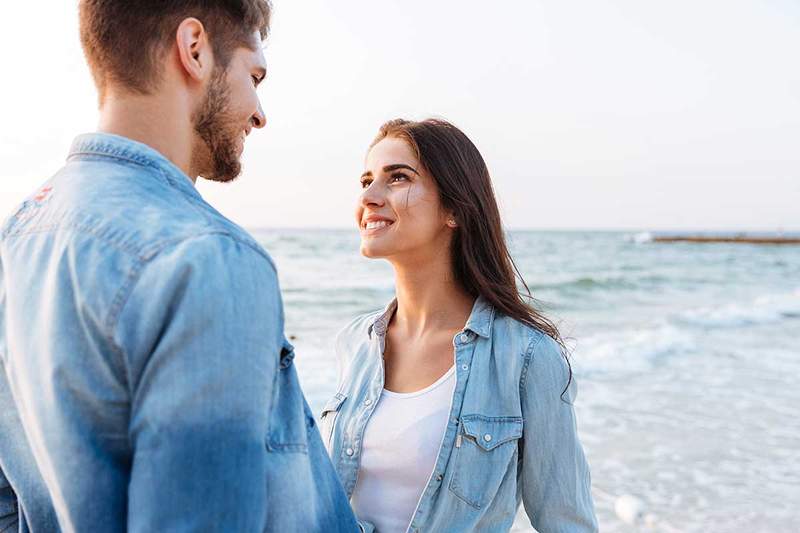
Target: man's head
{"points": [[208, 52]]}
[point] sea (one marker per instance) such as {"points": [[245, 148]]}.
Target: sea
{"points": [[687, 358]]}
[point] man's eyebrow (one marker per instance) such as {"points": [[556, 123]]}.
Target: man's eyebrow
{"points": [[389, 168]]}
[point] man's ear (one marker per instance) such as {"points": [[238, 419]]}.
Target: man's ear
{"points": [[194, 49]]}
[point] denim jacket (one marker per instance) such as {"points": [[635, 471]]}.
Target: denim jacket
{"points": [[511, 435], [147, 383]]}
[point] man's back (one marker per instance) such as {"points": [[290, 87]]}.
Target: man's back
{"points": [[142, 336]]}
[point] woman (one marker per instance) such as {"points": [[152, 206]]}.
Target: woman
{"points": [[454, 403]]}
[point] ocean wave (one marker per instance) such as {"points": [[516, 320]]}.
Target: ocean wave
{"points": [[631, 350], [763, 310], [609, 282], [640, 238]]}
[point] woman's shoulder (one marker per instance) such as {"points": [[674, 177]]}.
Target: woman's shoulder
{"points": [[359, 328], [520, 333], [542, 354], [353, 339]]}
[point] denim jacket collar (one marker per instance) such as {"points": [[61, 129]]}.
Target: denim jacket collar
{"points": [[115, 146], [479, 321]]}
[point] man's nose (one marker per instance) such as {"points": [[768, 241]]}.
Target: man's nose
{"points": [[258, 119]]}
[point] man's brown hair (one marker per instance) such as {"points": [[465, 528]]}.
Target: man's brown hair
{"points": [[124, 40]]}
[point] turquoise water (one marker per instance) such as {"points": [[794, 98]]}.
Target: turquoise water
{"points": [[687, 358]]}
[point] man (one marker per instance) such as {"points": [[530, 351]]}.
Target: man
{"points": [[146, 381]]}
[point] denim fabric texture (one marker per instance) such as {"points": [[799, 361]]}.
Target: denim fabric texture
{"points": [[511, 436], [147, 384]]}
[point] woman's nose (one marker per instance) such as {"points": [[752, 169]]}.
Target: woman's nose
{"points": [[373, 196]]}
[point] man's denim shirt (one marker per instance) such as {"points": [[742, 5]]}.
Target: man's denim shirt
{"points": [[511, 435], [147, 383]]}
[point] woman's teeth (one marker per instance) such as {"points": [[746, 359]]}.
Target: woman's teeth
{"points": [[378, 224]]}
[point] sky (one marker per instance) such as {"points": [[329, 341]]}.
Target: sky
{"points": [[626, 114]]}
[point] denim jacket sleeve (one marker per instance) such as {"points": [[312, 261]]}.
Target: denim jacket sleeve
{"points": [[555, 479], [9, 513], [202, 334]]}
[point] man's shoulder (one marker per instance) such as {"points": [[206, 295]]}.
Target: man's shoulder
{"points": [[126, 208]]}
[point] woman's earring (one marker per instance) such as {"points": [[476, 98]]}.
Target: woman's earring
{"points": [[452, 223]]}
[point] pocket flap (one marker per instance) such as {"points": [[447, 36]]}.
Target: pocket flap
{"points": [[490, 432], [334, 404]]}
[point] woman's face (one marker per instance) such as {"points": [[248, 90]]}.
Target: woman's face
{"points": [[399, 212]]}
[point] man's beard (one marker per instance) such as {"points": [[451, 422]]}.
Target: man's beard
{"points": [[217, 159]]}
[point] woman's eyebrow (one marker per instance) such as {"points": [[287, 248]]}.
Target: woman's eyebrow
{"points": [[389, 168]]}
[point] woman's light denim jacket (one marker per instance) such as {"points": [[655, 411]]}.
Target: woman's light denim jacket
{"points": [[511, 435]]}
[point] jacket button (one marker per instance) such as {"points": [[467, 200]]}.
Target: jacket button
{"points": [[487, 437], [367, 402], [464, 337], [349, 451]]}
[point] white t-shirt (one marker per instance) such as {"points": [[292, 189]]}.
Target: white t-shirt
{"points": [[401, 442]]}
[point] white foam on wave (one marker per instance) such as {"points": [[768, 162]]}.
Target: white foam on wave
{"points": [[763, 310], [640, 238], [631, 350]]}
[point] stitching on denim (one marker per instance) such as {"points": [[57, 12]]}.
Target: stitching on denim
{"points": [[117, 304], [102, 150], [538, 336], [195, 201], [454, 487], [143, 254], [127, 287], [509, 420], [334, 404], [493, 418], [150, 253], [11, 222], [139, 160], [83, 228], [290, 447], [11, 527]]}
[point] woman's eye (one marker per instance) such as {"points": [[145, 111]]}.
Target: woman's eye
{"points": [[365, 183], [399, 177], [255, 80]]}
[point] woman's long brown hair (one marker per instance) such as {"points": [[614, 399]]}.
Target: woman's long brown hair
{"points": [[482, 263]]}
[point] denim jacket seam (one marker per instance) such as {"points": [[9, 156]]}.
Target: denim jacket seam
{"points": [[150, 255], [141, 161], [195, 201], [132, 278], [534, 342], [83, 228], [10, 222], [157, 248], [117, 304]]}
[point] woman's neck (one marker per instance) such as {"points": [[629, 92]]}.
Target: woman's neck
{"points": [[429, 299]]}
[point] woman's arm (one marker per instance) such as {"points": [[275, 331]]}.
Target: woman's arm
{"points": [[554, 474]]}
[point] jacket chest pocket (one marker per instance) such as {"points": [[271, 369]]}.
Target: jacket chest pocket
{"points": [[485, 448], [290, 419], [328, 418]]}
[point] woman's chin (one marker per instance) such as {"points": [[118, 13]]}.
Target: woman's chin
{"points": [[370, 251]]}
